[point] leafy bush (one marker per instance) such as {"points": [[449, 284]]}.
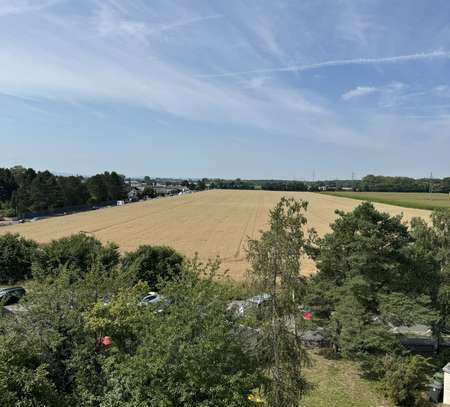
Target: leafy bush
{"points": [[79, 253], [16, 256], [186, 355], [153, 263], [406, 378], [24, 378]]}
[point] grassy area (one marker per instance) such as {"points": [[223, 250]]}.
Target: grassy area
{"points": [[337, 383], [415, 200]]}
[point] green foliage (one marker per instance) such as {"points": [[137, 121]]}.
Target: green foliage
{"points": [[401, 309], [186, 350], [24, 380], [7, 184], [406, 377], [153, 263], [45, 193], [80, 253], [371, 272], [24, 191], [16, 256], [275, 261], [371, 253], [284, 186], [434, 241], [149, 192], [74, 191], [188, 354], [393, 184], [357, 334], [106, 187], [53, 334]]}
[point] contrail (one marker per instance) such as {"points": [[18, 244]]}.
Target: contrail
{"points": [[339, 62]]}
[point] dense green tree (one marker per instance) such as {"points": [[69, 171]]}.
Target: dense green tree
{"points": [[275, 270], [393, 184], [16, 256], [115, 186], [45, 193], [74, 191], [106, 187], [434, 242], [446, 184], [21, 199], [80, 253], [374, 250], [371, 270], [153, 263], [188, 355], [97, 188], [406, 377], [149, 192], [24, 377], [7, 184], [54, 356]]}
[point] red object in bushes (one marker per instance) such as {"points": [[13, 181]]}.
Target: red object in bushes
{"points": [[106, 341], [307, 316]]}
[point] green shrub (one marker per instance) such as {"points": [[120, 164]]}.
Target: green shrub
{"points": [[79, 253], [153, 263], [406, 377], [16, 256]]}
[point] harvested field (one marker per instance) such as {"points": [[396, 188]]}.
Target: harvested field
{"points": [[213, 223]]}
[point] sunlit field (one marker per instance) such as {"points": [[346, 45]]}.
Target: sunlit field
{"points": [[213, 223], [406, 199]]}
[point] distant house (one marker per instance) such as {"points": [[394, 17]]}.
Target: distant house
{"points": [[133, 195], [167, 190], [327, 188]]}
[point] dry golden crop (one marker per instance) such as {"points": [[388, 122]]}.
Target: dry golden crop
{"points": [[213, 223]]}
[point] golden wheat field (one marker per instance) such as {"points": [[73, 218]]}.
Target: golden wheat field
{"points": [[213, 223]]}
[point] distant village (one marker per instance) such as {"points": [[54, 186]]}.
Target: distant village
{"points": [[147, 188]]}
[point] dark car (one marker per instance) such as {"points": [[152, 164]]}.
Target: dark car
{"points": [[11, 295]]}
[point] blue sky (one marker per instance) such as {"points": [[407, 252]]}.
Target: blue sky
{"points": [[236, 88]]}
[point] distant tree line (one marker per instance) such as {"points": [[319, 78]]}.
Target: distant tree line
{"points": [[378, 183], [267, 185], [381, 183], [24, 190], [369, 183]]}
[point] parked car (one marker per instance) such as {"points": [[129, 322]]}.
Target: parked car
{"points": [[151, 298], [11, 295], [240, 307]]}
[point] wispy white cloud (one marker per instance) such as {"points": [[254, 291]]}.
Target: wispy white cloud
{"points": [[70, 62], [8, 7], [110, 22], [389, 94], [341, 62], [359, 91]]}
